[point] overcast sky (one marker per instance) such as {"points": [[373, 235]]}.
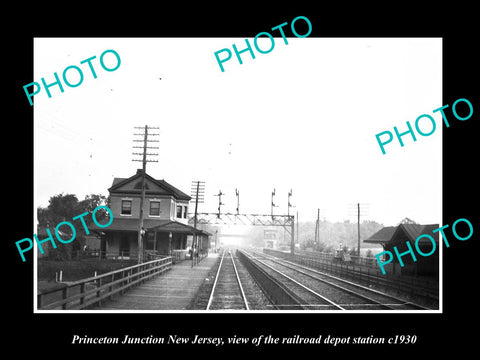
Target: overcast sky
{"points": [[302, 117]]}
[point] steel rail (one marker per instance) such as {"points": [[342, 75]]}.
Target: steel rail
{"points": [[278, 293], [295, 266], [330, 302], [210, 299], [344, 289], [239, 282], [237, 278], [423, 288]]}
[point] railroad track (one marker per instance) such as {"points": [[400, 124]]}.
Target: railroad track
{"points": [[285, 292], [374, 299], [372, 296], [308, 299], [423, 290], [344, 294], [227, 291]]}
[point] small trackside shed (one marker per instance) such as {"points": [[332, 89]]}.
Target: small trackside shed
{"points": [[397, 236]]}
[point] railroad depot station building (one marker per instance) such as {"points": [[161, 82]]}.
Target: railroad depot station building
{"points": [[391, 236], [165, 210]]}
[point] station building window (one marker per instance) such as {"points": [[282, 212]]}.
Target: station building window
{"points": [[154, 208], [126, 207]]}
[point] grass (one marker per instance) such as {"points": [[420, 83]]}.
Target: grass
{"points": [[73, 270]]}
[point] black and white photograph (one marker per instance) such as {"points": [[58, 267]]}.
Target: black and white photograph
{"points": [[277, 182], [206, 208]]}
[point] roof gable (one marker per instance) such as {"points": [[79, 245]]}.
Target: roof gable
{"points": [[410, 232], [415, 230], [132, 185], [402, 233]]}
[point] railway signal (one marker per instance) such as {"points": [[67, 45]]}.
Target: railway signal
{"points": [[273, 203], [289, 203], [237, 193], [220, 202]]}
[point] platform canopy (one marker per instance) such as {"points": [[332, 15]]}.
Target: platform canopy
{"points": [[151, 225], [177, 228]]}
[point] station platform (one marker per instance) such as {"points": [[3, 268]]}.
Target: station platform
{"points": [[173, 290]]}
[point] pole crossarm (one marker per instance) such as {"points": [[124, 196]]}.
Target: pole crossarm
{"points": [[243, 219], [144, 160]]}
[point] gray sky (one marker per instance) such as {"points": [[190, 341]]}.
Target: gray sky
{"points": [[302, 117]]}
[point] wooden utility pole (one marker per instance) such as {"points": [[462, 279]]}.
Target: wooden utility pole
{"points": [[292, 233], [141, 230], [298, 240], [194, 239], [358, 211], [354, 210], [317, 228], [292, 227], [198, 189]]}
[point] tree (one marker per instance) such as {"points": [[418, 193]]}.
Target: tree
{"points": [[90, 203], [61, 208], [64, 208], [406, 221]]}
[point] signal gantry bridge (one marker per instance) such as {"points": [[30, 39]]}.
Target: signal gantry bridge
{"points": [[286, 221]]}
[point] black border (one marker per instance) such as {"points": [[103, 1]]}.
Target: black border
{"points": [[52, 333]]}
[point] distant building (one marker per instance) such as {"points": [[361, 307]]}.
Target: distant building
{"points": [[397, 236], [165, 210], [270, 239]]}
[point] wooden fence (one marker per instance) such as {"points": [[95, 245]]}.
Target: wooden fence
{"points": [[177, 255], [92, 291]]}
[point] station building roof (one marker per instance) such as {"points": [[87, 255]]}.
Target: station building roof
{"points": [[411, 232], [383, 236], [151, 225], [392, 235], [176, 227], [160, 187]]}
